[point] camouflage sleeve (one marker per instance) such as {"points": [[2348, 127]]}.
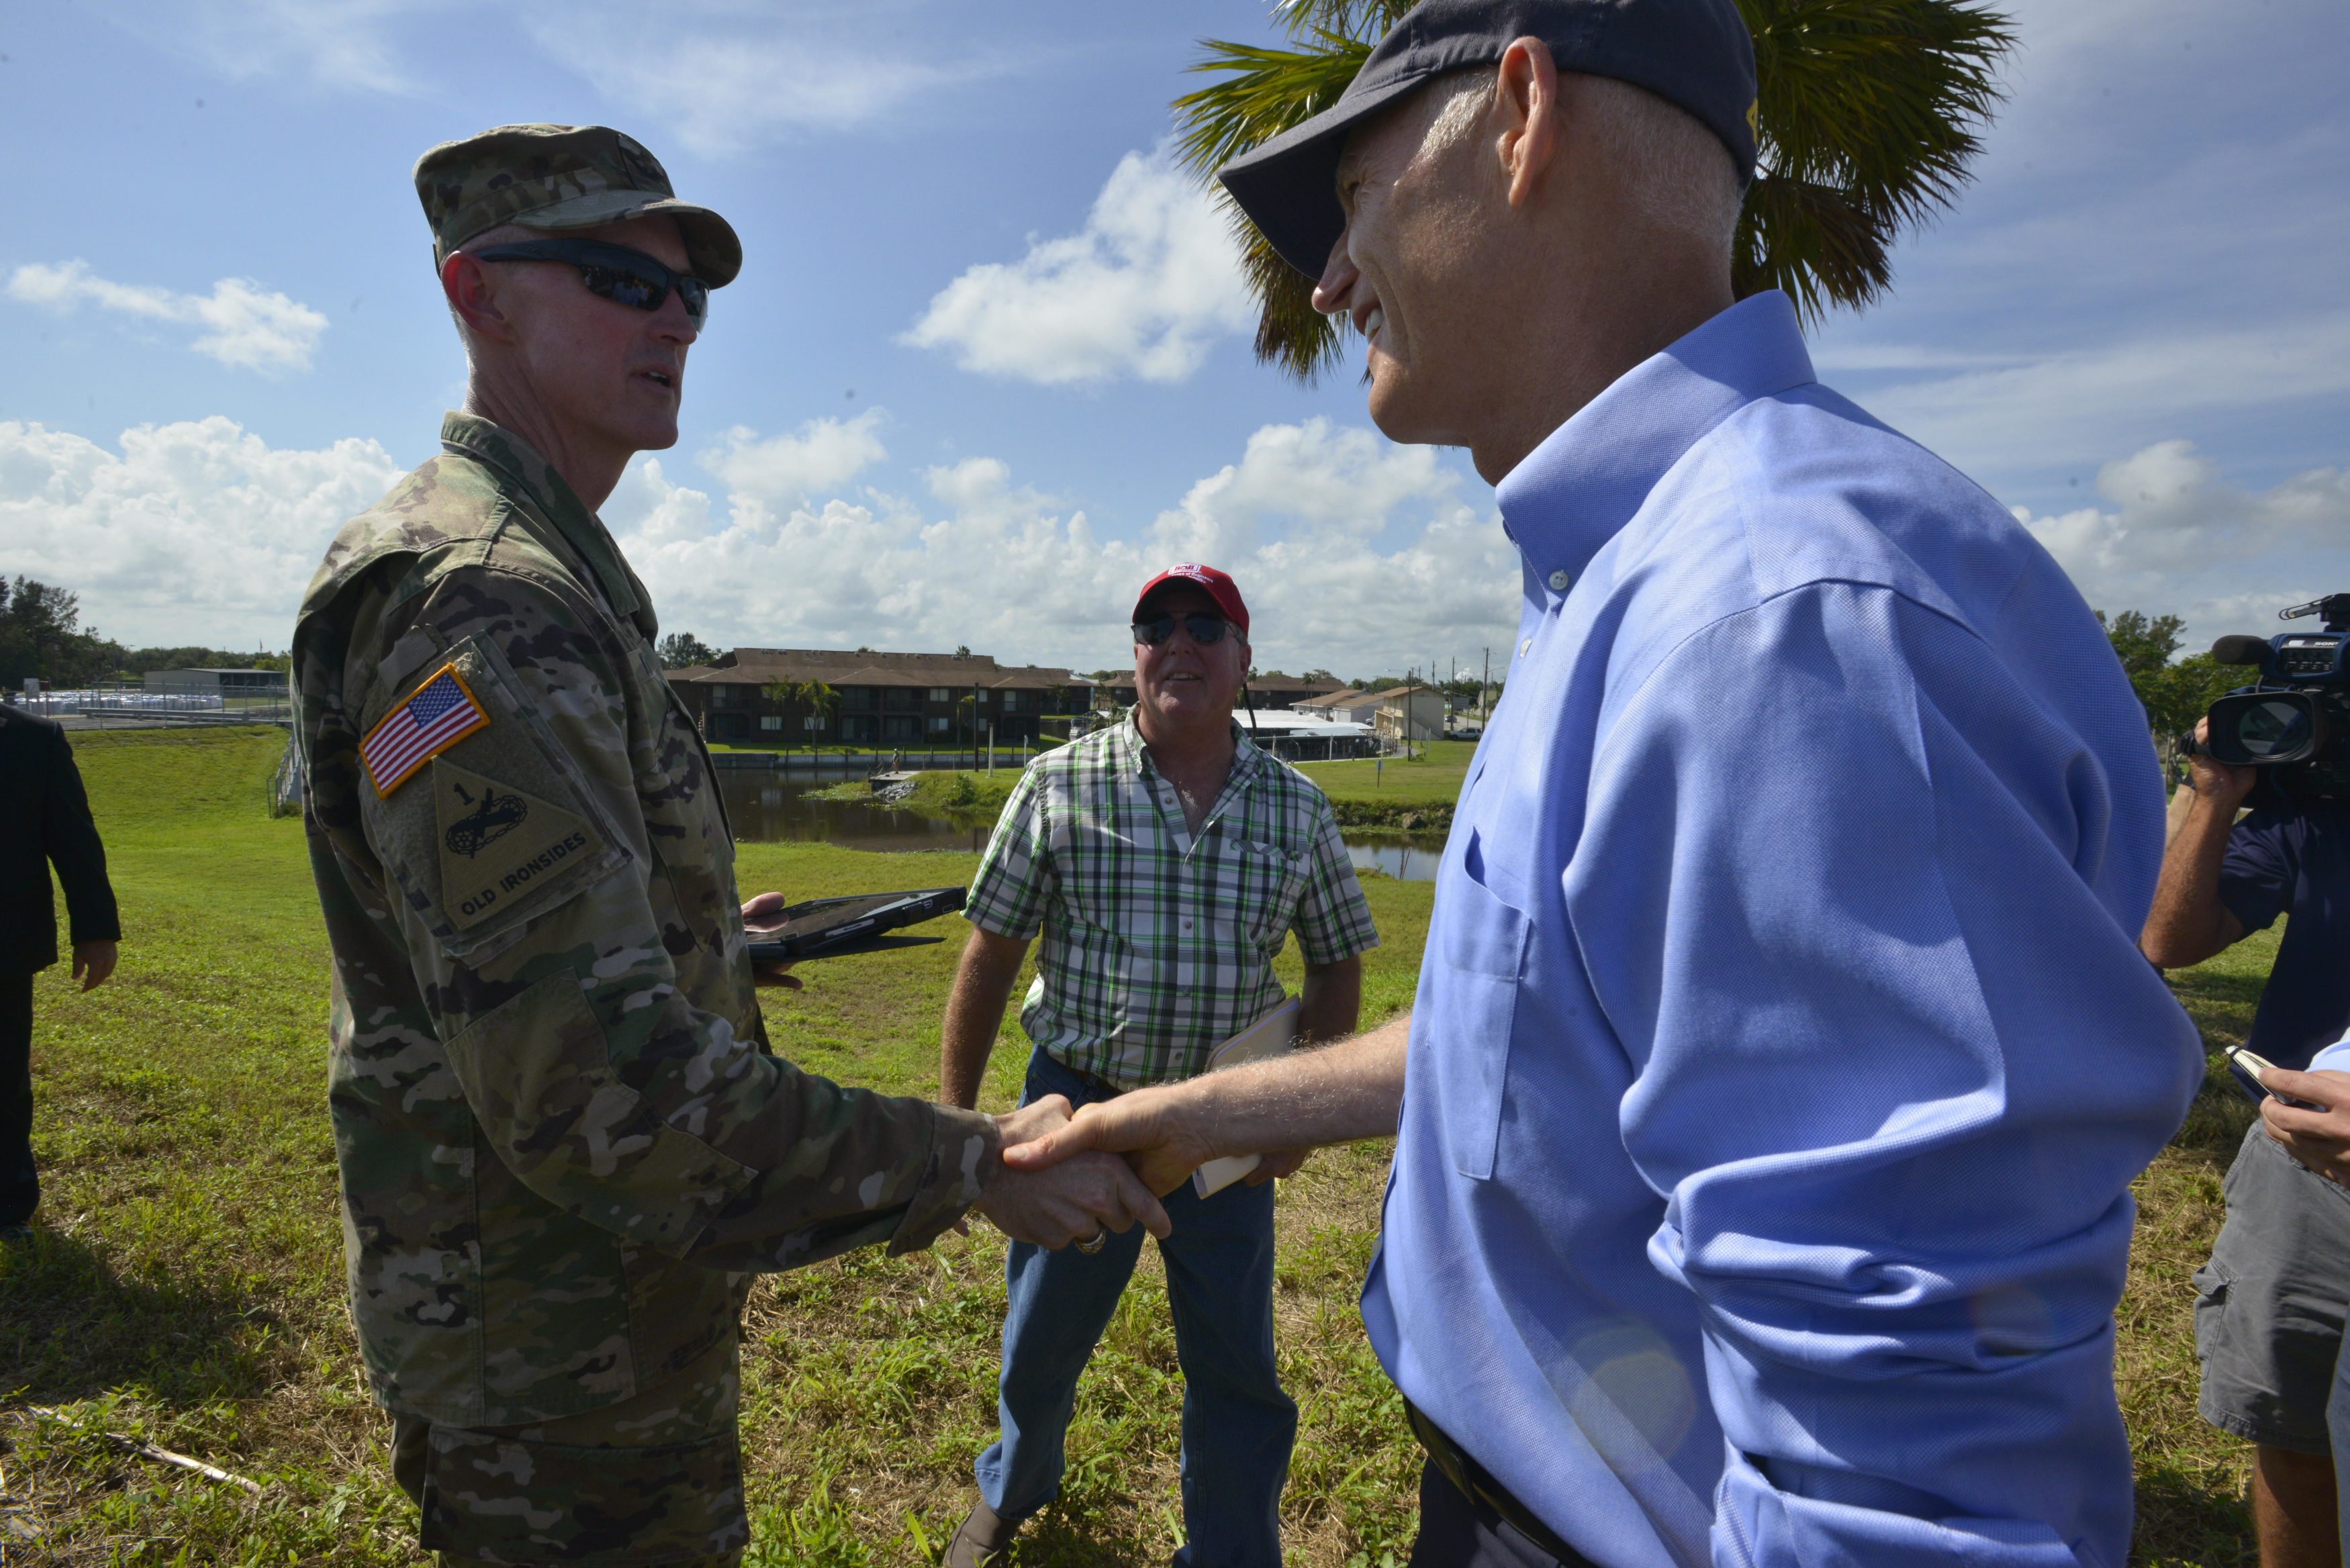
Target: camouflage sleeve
{"points": [[538, 881]]}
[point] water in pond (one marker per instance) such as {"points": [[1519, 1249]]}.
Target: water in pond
{"points": [[766, 809]]}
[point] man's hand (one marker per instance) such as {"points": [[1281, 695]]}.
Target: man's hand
{"points": [[1085, 1197], [760, 916], [2218, 783], [1157, 1129], [1272, 1167], [92, 962], [2319, 1138]]}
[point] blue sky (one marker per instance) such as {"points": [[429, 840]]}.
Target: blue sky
{"points": [[987, 366]]}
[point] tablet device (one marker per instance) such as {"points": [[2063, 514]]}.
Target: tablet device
{"points": [[861, 923]]}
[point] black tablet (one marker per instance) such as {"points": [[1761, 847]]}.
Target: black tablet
{"points": [[833, 927]]}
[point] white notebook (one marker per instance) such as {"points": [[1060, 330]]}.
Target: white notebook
{"points": [[1274, 1035]]}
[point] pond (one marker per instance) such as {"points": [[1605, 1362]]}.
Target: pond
{"points": [[765, 809]]}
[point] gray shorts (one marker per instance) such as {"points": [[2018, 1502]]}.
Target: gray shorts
{"points": [[2270, 1304]]}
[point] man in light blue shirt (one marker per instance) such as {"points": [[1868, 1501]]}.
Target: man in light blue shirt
{"points": [[1783, 1054]]}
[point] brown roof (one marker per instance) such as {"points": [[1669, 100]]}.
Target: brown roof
{"points": [[843, 667], [1339, 698], [1401, 692]]}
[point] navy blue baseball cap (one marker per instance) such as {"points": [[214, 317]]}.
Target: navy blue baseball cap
{"points": [[1695, 53]]}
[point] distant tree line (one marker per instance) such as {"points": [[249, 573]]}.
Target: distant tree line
{"points": [[42, 637], [2176, 691]]}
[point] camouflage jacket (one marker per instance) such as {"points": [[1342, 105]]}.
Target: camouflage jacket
{"points": [[564, 1144]]}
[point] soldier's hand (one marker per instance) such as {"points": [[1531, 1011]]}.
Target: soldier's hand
{"points": [[1077, 1200], [760, 916], [1152, 1127]]}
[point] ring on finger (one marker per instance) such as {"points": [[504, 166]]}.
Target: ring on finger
{"points": [[1096, 1243]]}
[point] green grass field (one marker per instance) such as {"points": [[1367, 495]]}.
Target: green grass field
{"points": [[186, 1289], [1434, 779]]}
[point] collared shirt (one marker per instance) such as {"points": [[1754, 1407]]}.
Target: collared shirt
{"points": [[2296, 860], [1782, 1053], [1160, 945]]}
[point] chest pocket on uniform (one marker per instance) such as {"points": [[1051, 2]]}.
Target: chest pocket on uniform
{"points": [[1476, 955]]}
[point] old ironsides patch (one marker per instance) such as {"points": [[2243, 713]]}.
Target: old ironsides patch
{"points": [[498, 841]]}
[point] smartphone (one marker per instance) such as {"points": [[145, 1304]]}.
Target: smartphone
{"points": [[2246, 1069]]}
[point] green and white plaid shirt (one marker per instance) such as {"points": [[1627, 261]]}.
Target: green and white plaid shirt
{"points": [[1157, 946]]}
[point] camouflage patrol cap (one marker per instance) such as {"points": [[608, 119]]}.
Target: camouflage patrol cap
{"points": [[556, 177]]}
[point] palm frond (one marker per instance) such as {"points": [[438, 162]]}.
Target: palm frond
{"points": [[1881, 98], [1812, 241], [1366, 21], [1263, 92], [1868, 115]]}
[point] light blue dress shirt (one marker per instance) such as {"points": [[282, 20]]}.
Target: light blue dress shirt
{"points": [[1782, 1052]]}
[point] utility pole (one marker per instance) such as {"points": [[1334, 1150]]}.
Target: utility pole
{"points": [[1484, 684]]}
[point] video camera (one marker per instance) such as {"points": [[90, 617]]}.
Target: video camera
{"points": [[2294, 723]]}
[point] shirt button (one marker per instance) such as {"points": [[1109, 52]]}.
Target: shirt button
{"points": [[1559, 581], [1187, 925]]}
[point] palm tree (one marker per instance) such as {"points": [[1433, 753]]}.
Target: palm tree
{"points": [[1868, 113]]}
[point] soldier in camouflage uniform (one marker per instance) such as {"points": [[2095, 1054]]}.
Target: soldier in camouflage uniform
{"points": [[565, 1147]]}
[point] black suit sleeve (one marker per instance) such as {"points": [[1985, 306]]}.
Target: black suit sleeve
{"points": [[71, 838]]}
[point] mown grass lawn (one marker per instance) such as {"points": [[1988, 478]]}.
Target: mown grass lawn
{"points": [[186, 1290], [1434, 777]]}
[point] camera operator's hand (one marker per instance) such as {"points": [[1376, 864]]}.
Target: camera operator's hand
{"points": [[2319, 1137], [761, 915], [1077, 1200], [2216, 781]]}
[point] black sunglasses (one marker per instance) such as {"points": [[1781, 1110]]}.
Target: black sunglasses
{"points": [[616, 272], [1206, 629]]}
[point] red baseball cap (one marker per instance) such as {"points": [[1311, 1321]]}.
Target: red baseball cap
{"points": [[1216, 585]]}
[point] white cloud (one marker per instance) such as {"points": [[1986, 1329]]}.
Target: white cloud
{"points": [[242, 326], [824, 455], [732, 80], [1141, 290], [196, 533], [1353, 554], [331, 43], [2173, 538]]}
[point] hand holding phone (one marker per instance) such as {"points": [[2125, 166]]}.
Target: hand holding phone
{"points": [[2246, 1069]]}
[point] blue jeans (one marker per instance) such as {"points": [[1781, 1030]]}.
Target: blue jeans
{"points": [[1238, 1425]]}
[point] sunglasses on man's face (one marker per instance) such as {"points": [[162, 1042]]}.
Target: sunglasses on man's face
{"points": [[1205, 629], [629, 277]]}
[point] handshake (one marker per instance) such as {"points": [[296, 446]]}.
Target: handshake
{"points": [[1074, 1178]]}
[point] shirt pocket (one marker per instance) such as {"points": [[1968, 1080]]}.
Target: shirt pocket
{"points": [[1477, 951], [1267, 880]]}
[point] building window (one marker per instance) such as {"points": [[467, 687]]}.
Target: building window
{"points": [[897, 727], [858, 698], [941, 694], [813, 722], [1012, 702], [899, 700], [940, 724], [770, 722], [721, 696]]}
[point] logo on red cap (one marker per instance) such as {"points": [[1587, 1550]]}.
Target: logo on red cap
{"points": [[1218, 584]]}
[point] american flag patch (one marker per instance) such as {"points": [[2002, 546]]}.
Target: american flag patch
{"points": [[440, 714]]}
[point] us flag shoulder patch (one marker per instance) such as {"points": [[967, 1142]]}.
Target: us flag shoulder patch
{"points": [[436, 716]]}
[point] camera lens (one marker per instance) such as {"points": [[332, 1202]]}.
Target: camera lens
{"points": [[2272, 729]]}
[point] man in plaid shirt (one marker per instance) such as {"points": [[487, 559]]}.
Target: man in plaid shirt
{"points": [[1164, 860]]}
